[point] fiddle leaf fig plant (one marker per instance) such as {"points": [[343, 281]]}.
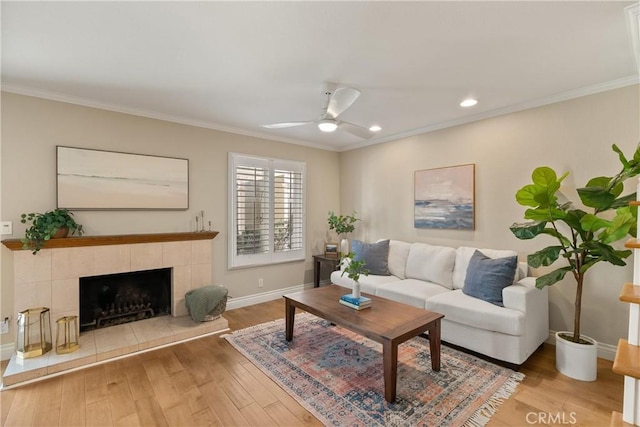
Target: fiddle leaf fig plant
{"points": [[342, 223], [583, 238], [354, 268], [46, 225]]}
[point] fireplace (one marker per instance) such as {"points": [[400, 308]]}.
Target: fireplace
{"points": [[113, 299]]}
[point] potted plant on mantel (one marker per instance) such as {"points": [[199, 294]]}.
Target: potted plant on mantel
{"points": [[342, 225], [49, 225], [354, 269], [583, 239]]}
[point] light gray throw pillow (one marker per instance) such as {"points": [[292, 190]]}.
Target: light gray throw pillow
{"points": [[486, 277], [374, 255]]}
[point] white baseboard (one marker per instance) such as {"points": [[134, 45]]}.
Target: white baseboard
{"points": [[263, 297], [6, 351], [605, 351]]}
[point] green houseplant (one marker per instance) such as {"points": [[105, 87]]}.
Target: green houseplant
{"points": [[343, 224], [44, 226], [583, 238], [354, 269]]}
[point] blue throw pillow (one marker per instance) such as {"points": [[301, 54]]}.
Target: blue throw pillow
{"points": [[486, 277], [375, 256]]}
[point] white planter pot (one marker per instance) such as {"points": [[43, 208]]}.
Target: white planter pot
{"points": [[356, 289], [577, 361], [344, 247]]}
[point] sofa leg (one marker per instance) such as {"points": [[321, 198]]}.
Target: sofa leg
{"points": [[509, 365]]}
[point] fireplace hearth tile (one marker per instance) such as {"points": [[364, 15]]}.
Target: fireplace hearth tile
{"points": [[146, 256], [115, 338], [30, 295], [176, 253], [29, 268], [103, 344], [68, 263]]}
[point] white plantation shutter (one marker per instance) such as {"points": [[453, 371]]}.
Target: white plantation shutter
{"points": [[266, 210]]}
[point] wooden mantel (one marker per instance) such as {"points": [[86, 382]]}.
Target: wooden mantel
{"points": [[124, 239]]}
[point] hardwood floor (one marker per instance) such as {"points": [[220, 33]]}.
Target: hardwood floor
{"points": [[207, 382]]}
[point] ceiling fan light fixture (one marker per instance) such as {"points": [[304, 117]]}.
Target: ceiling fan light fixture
{"points": [[327, 125]]}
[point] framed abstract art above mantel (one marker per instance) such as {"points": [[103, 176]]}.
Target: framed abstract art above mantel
{"points": [[96, 180], [445, 198]]}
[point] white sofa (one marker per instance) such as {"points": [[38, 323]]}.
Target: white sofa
{"points": [[432, 277]]}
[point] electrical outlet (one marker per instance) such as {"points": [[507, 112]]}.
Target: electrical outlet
{"points": [[4, 326], [260, 282], [6, 227]]}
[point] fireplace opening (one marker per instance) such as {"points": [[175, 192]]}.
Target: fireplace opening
{"points": [[114, 299]]}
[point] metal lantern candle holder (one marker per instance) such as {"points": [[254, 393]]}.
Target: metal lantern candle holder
{"points": [[67, 334], [34, 332]]}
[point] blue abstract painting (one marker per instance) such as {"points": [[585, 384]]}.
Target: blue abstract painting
{"points": [[444, 198]]}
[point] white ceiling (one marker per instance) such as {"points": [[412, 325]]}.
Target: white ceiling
{"points": [[238, 65]]}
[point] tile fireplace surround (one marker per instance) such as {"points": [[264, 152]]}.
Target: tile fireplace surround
{"points": [[51, 279]]}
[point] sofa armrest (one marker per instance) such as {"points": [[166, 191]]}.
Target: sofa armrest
{"points": [[524, 296]]}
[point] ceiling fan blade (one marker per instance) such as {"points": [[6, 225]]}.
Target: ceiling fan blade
{"points": [[285, 125], [356, 130], [341, 99]]}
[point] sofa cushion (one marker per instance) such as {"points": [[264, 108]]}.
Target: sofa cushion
{"points": [[431, 263], [368, 284], [398, 254], [410, 291], [374, 255], [464, 254], [486, 277], [460, 308]]}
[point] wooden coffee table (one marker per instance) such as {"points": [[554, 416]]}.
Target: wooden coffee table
{"points": [[387, 322]]}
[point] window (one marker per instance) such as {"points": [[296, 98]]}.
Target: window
{"points": [[266, 210]]}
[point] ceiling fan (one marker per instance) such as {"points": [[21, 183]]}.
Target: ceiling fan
{"points": [[337, 100]]}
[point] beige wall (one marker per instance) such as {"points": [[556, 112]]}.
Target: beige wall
{"points": [[573, 136], [32, 127], [376, 181]]}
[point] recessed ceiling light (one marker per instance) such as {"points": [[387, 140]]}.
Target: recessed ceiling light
{"points": [[470, 102], [327, 125], [375, 128]]}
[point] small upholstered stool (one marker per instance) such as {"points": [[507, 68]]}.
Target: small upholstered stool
{"points": [[206, 303]]}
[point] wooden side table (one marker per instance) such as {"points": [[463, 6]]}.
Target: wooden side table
{"points": [[318, 260]]}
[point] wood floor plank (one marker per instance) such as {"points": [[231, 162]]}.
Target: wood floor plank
{"points": [[221, 405], [139, 383], [49, 402], [73, 406], [165, 392], [121, 401], [208, 383], [180, 415], [256, 390], [257, 416], [206, 418], [22, 410], [95, 384], [150, 413], [170, 362], [232, 388], [6, 400], [99, 413], [193, 364], [281, 415]]}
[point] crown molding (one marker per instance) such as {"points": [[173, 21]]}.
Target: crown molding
{"points": [[564, 96], [86, 102]]}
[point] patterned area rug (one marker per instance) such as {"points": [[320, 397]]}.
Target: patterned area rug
{"points": [[337, 375]]}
